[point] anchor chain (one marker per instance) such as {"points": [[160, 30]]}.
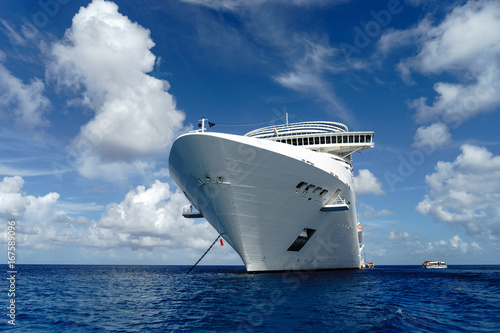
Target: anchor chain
{"points": [[215, 241]]}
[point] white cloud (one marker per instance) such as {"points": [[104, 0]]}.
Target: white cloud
{"points": [[12, 201], [365, 183], [147, 219], [14, 37], [35, 216], [35, 211], [465, 44], [454, 246], [432, 137], [225, 4], [393, 39], [236, 4], [459, 244], [308, 76], [106, 56], [414, 246], [309, 59], [23, 103], [399, 235], [466, 192], [461, 40], [369, 212], [14, 171]]}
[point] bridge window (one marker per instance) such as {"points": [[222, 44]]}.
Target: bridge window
{"points": [[311, 141], [356, 138], [334, 139], [299, 141], [316, 140], [368, 138], [305, 142], [322, 140], [289, 141], [361, 138], [294, 142], [351, 139], [345, 139], [327, 139]]}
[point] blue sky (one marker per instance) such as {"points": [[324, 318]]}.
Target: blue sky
{"points": [[93, 94]]}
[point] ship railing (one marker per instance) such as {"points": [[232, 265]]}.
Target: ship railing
{"points": [[321, 126], [190, 212], [335, 205], [339, 201]]}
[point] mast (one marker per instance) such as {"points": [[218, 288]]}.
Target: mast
{"points": [[202, 120]]}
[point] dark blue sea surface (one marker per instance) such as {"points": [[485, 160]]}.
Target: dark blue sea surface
{"points": [[69, 298]]}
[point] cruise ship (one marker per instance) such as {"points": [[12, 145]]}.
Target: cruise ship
{"points": [[282, 196]]}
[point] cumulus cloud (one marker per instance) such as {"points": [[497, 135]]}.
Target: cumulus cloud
{"points": [[15, 204], [23, 103], [36, 216], [432, 137], [465, 192], [460, 45], [453, 246], [148, 218], [12, 201], [366, 183], [106, 57]]}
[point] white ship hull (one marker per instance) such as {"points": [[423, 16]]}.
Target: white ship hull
{"points": [[246, 188]]}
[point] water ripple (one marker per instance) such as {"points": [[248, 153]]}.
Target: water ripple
{"points": [[226, 299]]}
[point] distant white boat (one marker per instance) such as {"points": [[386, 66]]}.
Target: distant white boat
{"points": [[434, 264], [369, 265]]}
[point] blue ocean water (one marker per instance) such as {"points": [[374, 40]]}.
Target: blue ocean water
{"points": [[70, 298]]}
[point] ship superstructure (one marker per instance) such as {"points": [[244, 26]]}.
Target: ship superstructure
{"points": [[282, 196]]}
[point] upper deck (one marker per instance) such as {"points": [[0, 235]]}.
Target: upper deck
{"points": [[321, 136]]}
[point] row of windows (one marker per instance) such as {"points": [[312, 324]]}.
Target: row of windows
{"points": [[311, 127], [328, 140], [272, 135]]}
